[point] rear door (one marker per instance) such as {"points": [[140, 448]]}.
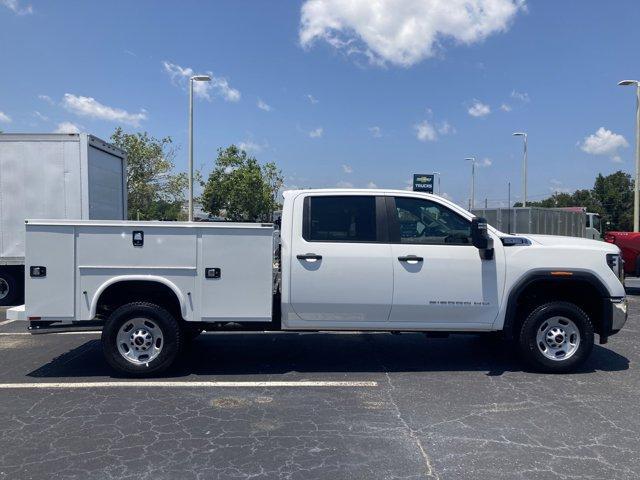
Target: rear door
{"points": [[341, 269], [440, 281]]}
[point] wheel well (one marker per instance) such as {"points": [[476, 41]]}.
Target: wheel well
{"points": [[580, 292], [128, 291]]}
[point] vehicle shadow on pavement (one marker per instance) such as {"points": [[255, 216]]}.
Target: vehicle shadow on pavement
{"points": [[278, 354]]}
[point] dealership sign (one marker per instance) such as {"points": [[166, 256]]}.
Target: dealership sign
{"points": [[423, 183]]}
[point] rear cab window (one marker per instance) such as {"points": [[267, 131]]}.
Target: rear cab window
{"points": [[343, 218]]}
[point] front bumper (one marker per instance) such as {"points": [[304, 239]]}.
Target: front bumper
{"points": [[619, 313], [615, 314]]}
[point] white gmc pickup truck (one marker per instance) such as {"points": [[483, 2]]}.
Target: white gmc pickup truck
{"points": [[343, 259]]}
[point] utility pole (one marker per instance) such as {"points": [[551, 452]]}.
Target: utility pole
{"points": [[509, 207], [524, 167], [472, 200], [636, 183], [195, 78]]}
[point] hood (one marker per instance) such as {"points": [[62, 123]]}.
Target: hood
{"points": [[577, 242]]}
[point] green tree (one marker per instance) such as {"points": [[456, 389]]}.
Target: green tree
{"points": [[155, 192], [611, 197], [240, 189], [614, 193]]}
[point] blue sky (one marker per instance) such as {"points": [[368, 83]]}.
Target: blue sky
{"points": [[352, 93]]}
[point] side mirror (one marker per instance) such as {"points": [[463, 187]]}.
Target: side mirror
{"points": [[480, 237]]}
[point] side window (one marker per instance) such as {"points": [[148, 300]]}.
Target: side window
{"points": [[426, 222], [340, 219]]}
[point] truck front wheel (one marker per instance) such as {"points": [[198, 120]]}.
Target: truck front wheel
{"points": [[556, 337], [141, 339]]}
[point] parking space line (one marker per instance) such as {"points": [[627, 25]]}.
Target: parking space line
{"points": [[54, 333], [169, 384], [6, 322]]}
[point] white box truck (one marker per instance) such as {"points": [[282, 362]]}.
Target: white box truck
{"points": [[56, 176], [565, 221], [347, 260]]}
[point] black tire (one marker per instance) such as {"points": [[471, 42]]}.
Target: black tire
{"points": [[9, 289], [538, 320], [160, 318]]}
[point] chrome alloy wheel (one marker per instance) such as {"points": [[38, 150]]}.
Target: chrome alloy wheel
{"points": [[558, 338], [4, 288], [140, 340]]}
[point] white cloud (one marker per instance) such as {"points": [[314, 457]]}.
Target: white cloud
{"points": [[485, 162], [16, 7], [40, 116], [221, 85], [218, 85], [262, 105], [375, 131], [343, 184], [4, 118], [46, 98], [429, 132], [316, 132], [479, 109], [556, 186], [67, 127], [371, 185], [90, 107], [425, 132], [505, 107], [522, 96], [445, 128], [347, 168], [402, 32], [312, 99], [604, 142], [250, 146]]}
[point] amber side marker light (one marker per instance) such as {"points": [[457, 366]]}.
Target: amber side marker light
{"points": [[561, 274]]}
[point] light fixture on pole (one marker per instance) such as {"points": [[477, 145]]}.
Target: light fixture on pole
{"points": [[472, 201], [438, 174], [636, 186], [195, 78], [524, 168]]}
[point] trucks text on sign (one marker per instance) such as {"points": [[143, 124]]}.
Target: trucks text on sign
{"points": [[423, 182]]}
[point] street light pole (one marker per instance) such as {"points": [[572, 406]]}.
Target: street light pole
{"points": [[472, 202], [524, 167], [636, 183], [195, 78], [438, 174]]}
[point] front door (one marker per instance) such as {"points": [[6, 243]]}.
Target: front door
{"points": [[440, 280], [341, 268]]}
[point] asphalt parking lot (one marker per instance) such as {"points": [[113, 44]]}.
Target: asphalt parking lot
{"points": [[303, 406]]}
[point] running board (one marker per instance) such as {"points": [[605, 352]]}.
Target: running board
{"points": [[38, 327]]}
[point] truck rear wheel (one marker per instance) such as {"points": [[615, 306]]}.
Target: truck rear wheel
{"points": [[141, 339], [9, 293], [556, 337]]}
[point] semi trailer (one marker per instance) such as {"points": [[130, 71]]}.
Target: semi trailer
{"points": [[340, 260], [55, 176]]}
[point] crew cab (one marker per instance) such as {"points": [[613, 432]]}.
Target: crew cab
{"points": [[339, 260]]}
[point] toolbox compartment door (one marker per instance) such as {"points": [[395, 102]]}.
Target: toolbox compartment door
{"points": [[50, 293]]}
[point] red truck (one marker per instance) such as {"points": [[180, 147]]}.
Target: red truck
{"points": [[629, 243]]}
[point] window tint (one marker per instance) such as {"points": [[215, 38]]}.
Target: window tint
{"points": [[340, 219], [426, 222]]}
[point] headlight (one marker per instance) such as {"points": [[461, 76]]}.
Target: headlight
{"points": [[616, 264]]}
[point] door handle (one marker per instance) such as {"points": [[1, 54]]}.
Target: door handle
{"points": [[410, 258], [309, 256]]}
